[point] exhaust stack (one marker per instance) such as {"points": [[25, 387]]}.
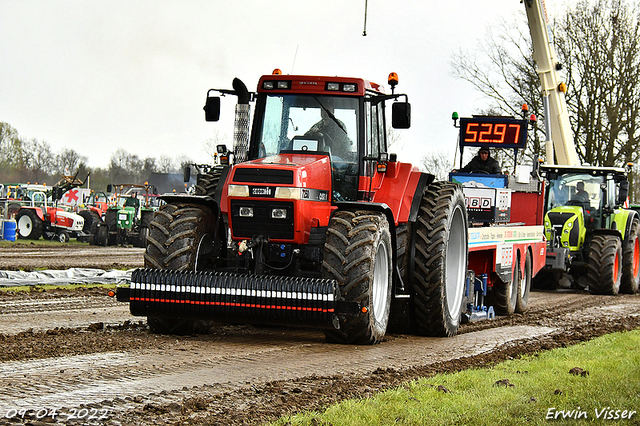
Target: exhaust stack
{"points": [[241, 123]]}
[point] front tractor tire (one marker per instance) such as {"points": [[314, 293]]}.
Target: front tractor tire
{"points": [[180, 239], [439, 256], [604, 273], [631, 260], [358, 254]]}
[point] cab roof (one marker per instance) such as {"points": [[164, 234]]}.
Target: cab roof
{"points": [[318, 85]]}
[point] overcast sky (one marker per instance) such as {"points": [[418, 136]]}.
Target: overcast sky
{"points": [[95, 76]]}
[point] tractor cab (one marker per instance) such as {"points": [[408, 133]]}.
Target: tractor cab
{"points": [[580, 200], [339, 118]]}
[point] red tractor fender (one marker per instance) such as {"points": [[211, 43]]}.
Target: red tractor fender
{"points": [[38, 211], [401, 189]]}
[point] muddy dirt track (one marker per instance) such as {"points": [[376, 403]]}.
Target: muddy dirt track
{"points": [[82, 354]]}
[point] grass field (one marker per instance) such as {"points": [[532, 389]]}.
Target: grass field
{"points": [[597, 382]]}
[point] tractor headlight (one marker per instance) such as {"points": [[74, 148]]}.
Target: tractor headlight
{"points": [[238, 190], [279, 214], [245, 212], [287, 192]]}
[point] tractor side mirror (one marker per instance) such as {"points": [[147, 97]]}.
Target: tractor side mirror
{"points": [[187, 174], [212, 108], [401, 115], [109, 188], [623, 192]]}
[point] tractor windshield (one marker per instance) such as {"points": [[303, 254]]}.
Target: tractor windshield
{"points": [[575, 189], [310, 123]]}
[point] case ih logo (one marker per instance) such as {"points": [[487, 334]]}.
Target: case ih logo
{"points": [[478, 203]]}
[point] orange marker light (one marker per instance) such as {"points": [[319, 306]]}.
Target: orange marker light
{"points": [[277, 72], [525, 107], [393, 79], [111, 293], [364, 309]]}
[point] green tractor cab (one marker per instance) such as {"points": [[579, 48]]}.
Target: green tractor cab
{"points": [[590, 236]]}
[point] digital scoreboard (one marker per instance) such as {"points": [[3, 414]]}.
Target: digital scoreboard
{"points": [[496, 132]]}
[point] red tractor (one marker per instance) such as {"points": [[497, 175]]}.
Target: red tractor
{"points": [[40, 218], [315, 224]]}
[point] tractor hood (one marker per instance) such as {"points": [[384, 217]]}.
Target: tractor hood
{"points": [[311, 171]]}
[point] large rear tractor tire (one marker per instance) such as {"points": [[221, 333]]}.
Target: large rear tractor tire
{"points": [[180, 238], [439, 256], [604, 273], [207, 183], [524, 285], [29, 225], [631, 260], [358, 254]]}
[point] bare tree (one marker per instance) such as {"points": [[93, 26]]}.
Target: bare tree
{"points": [[210, 145], [597, 40], [438, 164]]}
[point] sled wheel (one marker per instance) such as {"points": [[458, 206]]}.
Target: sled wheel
{"points": [[524, 285]]}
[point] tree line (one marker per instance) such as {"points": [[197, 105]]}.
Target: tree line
{"points": [[30, 160], [598, 45]]}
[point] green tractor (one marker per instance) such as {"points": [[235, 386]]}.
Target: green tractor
{"points": [[591, 239], [128, 220]]}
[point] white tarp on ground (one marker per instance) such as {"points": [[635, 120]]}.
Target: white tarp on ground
{"points": [[69, 276]]}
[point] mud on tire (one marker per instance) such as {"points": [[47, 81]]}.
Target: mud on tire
{"points": [[179, 239], [439, 255], [604, 272], [358, 254], [631, 260]]}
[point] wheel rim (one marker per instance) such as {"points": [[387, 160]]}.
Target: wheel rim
{"points": [[380, 282], [636, 258], [455, 262], [25, 226]]}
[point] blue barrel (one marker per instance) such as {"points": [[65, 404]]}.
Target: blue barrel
{"points": [[9, 233]]}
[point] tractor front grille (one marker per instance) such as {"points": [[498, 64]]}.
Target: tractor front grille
{"points": [[262, 222]]}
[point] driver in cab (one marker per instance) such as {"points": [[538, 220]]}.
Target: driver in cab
{"points": [[483, 162], [334, 133]]}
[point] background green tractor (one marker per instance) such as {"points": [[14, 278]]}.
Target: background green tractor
{"points": [[128, 220], [591, 238]]}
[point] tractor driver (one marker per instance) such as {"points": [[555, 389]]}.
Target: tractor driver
{"points": [[581, 195], [483, 162], [334, 132]]}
